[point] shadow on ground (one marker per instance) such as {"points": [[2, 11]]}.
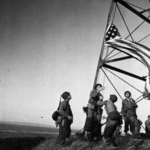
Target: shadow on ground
{"points": [[20, 143]]}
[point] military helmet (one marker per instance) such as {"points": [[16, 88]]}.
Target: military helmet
{"points": [[113, 98], [65, 95]]}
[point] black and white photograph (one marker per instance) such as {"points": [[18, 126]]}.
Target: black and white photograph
{"points": [[74, 74]]}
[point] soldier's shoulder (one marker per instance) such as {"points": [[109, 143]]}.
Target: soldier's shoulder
{"points": [[93, 91], [63, 103], [125, 101]]}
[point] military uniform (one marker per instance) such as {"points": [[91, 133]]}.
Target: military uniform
{"points": [[64, 126], [113, 119], [137, 127], [94, 113], [147, 126], [129, 114]]}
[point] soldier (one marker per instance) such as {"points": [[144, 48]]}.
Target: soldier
{"points": [[67, 119], [113, 120], [147, 125], [129, 113], [94, 113], [137, 128]]}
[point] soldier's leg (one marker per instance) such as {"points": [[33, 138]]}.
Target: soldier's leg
{"points": [[68, 128], [136, 129], [126, 125], [62, 134], [96, 133], [132, 120], [88, 123], [110, 129]]}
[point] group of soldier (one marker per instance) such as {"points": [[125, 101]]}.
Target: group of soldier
{"points": [[94, 112], [114, 120]]}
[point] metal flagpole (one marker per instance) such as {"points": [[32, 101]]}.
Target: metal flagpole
{"points": [[100, 61]]}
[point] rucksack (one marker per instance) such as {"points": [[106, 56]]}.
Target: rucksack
{"points": [[56, 114]]}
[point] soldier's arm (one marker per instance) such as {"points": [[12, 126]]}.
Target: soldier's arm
{"points": [[134, 103], [101, 103], [123, 109], [94, 94], [62, 108], [146, 122]]}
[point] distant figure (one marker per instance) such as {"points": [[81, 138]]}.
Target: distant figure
{"points": [[92, 126], [129, 113], [65, 120], [147, 125], [147, 84], [137, 128], [113, 120], [146, 93]]}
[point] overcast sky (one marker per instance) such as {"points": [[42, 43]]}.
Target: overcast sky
{"points": [[48, 47]]}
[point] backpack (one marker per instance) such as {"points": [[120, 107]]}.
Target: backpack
{"points": [[56, 114]]}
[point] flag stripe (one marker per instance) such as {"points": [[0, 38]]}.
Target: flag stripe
{"points": [[137, 51]]}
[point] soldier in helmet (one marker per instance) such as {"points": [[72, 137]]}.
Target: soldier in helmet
{"points": [[67, 119], [113, 120], [147, 125], [129, 113], [92, 125]]}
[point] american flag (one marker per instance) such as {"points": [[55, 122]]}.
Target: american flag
{"points": [[137, 50], [111, 32]]}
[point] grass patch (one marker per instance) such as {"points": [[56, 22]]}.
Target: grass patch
{"points": [[78, 143], [75, 142]]}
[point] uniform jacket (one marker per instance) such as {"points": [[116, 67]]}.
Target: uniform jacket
{"points": [[94, 111], [94, 97], [128, 107], [147, 123], [65, 109]]}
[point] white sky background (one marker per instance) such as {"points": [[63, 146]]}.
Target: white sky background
{"points": [[48, 47]]}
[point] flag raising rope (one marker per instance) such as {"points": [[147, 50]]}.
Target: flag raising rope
{"points": [[136, 50]]}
